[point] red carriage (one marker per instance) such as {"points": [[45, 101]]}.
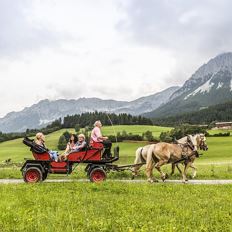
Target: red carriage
{"points": [[97, 166]]}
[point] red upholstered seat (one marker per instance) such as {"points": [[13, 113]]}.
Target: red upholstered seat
{"points": [[96, 145]]}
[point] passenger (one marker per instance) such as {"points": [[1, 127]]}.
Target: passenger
{"points": [[96, 136], [75, 144], [70, 146], [40, 140], [81, 143]]}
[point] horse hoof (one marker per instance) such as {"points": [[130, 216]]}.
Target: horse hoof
{"points": [[164, 177], [152, 181], [133, 177]]}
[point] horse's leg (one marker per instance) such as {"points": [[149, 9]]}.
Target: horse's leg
{"points": [[158, 167], [150, 166], [137, 161], [194, 170], [187, 165], [180, 171], [173, 169]]}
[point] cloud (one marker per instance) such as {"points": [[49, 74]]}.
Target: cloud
{"points": [[179, 25], [190, 32], [120, 49], [20, 32]]}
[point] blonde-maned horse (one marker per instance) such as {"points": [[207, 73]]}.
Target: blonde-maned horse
{"points": [[164, 153], [199, 142]]}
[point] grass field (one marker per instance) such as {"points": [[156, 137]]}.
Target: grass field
{"points": [[115, 207], [215, 163], [217, 131], [135, 129]]}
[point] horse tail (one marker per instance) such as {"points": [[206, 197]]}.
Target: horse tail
{"points": [[138, 155], [138, 161]]}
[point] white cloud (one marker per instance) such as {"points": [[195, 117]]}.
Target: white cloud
{"points": [[109, 49]]}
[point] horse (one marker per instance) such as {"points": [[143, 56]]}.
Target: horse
{"points": [[199, 142], [163, 153]]}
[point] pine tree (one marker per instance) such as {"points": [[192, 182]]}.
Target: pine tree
{"points": [[67, 136]]}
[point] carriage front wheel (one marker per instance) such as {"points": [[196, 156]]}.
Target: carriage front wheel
{"points": [[97, 175], [32, 175]]}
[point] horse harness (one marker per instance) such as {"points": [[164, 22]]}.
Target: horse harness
{"points": [[184, 156]]}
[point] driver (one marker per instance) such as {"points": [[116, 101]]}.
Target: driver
{"points": [[96, 136]]}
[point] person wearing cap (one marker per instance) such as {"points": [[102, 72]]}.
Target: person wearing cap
{"points": [[96, 136], [81, 143], [40, 140]]}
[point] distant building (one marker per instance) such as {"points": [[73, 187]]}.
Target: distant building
{"points": [[223, 125]]}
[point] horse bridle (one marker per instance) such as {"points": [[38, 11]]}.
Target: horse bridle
{"points": [[203, 146]]}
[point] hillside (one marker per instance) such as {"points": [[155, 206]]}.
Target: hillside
{"points": [[220, 112]]}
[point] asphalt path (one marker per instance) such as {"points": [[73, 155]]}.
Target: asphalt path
{"points": [[194, 182]]}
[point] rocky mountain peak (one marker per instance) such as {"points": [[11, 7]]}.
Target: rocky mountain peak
{"points": [[220, 63]]}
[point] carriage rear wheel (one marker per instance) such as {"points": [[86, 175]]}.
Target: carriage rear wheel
{"points": [[97, 175], [32, 175]]}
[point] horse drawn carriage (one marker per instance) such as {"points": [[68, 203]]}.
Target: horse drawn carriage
{"points": [[97, 167]]}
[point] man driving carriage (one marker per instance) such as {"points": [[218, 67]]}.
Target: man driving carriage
{"points": [[96, 136]]}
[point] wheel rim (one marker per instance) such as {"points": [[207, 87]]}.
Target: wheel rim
{"points": [[32, 176], [98, 176]]}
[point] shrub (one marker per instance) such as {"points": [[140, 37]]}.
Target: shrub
{"points": [[62, 143]]}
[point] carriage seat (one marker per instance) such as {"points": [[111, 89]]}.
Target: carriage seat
{"points": [[39, 152], [96, 145]]}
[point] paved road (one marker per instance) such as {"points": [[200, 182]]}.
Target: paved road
{"points": [[196, 182]]}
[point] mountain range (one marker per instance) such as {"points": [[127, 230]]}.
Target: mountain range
{"points": [[41, 114], [211, 84]]}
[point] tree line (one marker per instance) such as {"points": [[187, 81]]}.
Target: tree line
{"points": [[88, 119], [221, 112], [85, 120]]}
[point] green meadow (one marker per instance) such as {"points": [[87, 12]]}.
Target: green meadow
{"points": [[113, 206], [117, 206], [215, 163]]}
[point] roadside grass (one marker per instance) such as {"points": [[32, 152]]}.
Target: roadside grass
{"points": [[204, 172], [115, 207]]}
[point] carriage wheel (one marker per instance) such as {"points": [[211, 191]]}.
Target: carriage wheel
{"points": [[32, 175], [97, 175]]}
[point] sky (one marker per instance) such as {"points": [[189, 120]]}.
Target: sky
{"points": [[110, 49]]}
